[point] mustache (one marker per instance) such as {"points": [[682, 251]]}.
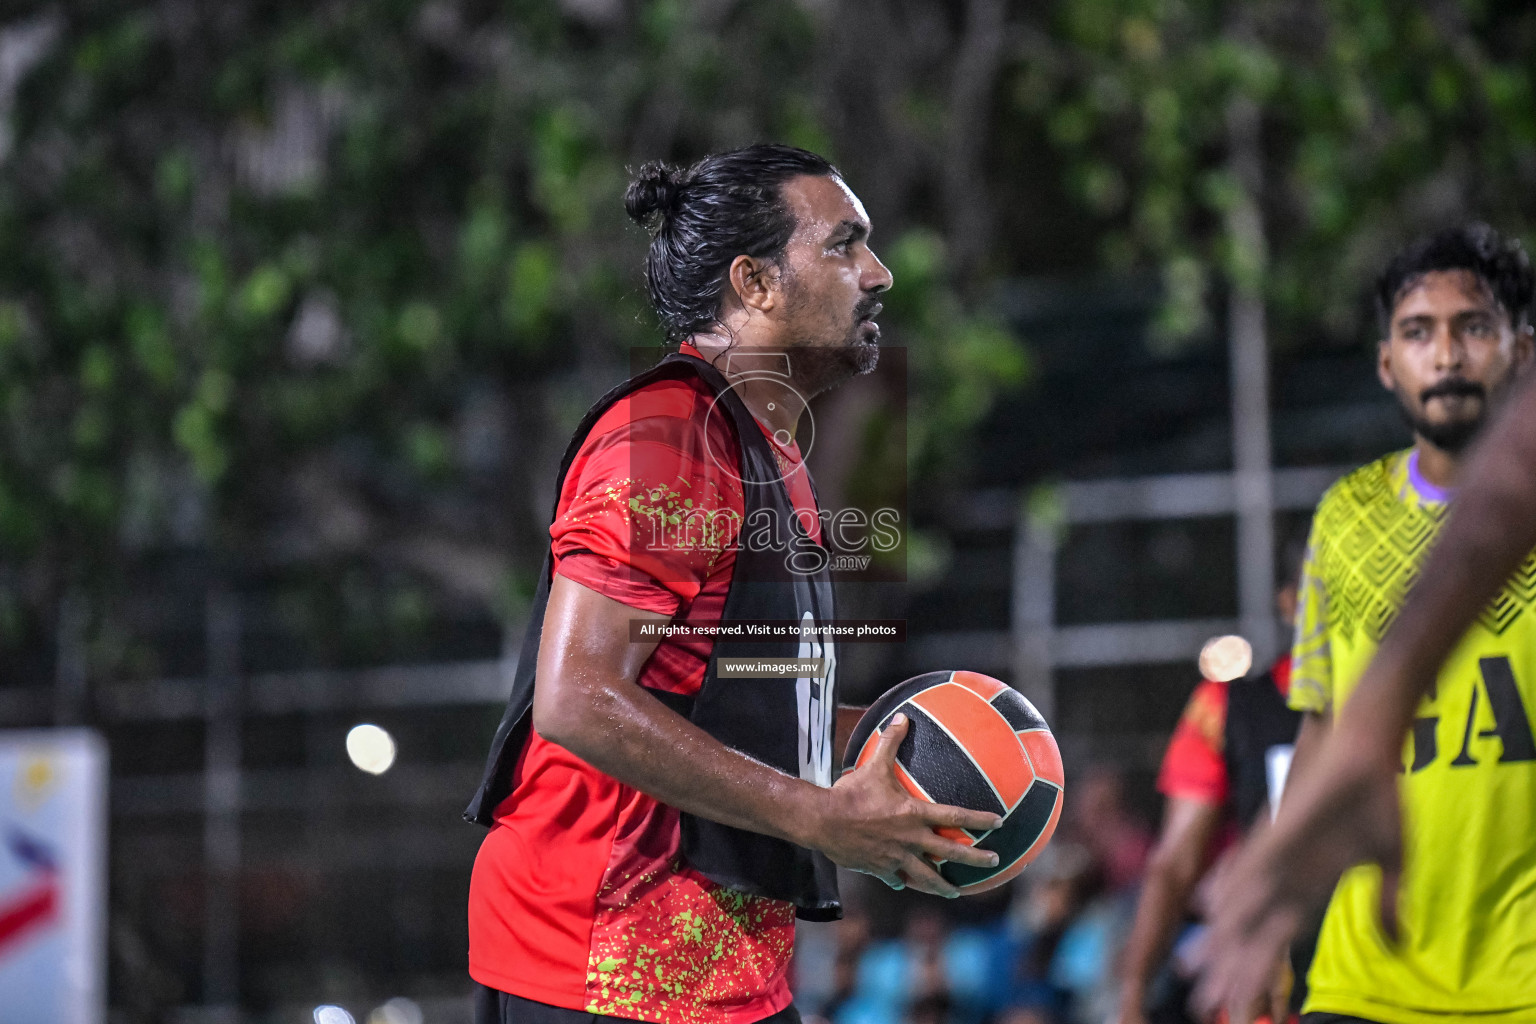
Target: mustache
{"points": [[1453, 387], [867, 309]]}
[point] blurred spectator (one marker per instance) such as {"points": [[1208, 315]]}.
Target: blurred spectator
{"points": [[826, 964], [1053, 957], [1021, 1015], [898, 977], [1049, 959], [932, 973], [933, 1009], [1098, 818], [1053, 890]]}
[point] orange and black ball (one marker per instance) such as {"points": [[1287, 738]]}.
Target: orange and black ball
{"points": [[974, 742]]}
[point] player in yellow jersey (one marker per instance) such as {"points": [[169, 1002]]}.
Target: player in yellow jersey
{"points": [[1346, 809], [1454, 311]]}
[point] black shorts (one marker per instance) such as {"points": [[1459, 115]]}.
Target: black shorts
{"points": [[1333, 1018], [494, 1007]]}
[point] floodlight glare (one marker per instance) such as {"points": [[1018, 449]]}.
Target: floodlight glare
{"points": [[371, 748], [1224, 658]]}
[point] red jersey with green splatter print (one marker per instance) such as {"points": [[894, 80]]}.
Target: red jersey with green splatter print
{"points": [[579, 897]]}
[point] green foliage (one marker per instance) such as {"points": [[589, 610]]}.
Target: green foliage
{"points": [[257, 259], [959, 360], [1379, 119], [268, 260]]}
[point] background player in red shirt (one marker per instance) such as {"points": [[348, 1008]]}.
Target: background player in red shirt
{"points": [[1210, 745], [580, 902]]}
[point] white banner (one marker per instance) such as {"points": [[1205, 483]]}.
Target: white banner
{"points": [[53, 845]]}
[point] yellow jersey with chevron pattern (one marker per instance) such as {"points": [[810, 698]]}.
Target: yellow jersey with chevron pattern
{"points": [[1468, 893]]}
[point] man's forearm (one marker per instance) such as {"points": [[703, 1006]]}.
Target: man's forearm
{"points": [[1492, 527], [1159, 909], [1175, 867], [630, 735], [1310, 736], [587, 699]]}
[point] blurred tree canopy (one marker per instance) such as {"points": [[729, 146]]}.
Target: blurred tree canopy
{"points": [[325, 285], [1378, 119]]}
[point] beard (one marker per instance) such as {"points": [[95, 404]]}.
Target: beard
{"points": [[820, 366], [1454, 435]]}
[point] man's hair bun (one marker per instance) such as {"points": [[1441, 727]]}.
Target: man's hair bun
{"points": [[653, 191]]}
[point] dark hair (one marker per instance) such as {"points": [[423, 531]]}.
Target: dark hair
{"points": [[703, 217], [1502, 265]]}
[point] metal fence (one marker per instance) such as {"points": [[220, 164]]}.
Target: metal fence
{"points": [[225, 801]]}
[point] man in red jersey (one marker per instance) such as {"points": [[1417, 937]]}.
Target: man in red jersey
{"points": [[655, 825], [1225, 766]]}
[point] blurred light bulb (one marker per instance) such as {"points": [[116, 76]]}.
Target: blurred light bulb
{"points": [[1224, 658], [371, 749], [332, 1015], [397, 1011]]}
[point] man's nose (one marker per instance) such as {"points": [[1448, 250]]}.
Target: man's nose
{"points": [[1449, 350], [875, 277]]}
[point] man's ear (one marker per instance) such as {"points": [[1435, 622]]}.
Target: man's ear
{"points": [[1384, 364], [755, 283]]}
